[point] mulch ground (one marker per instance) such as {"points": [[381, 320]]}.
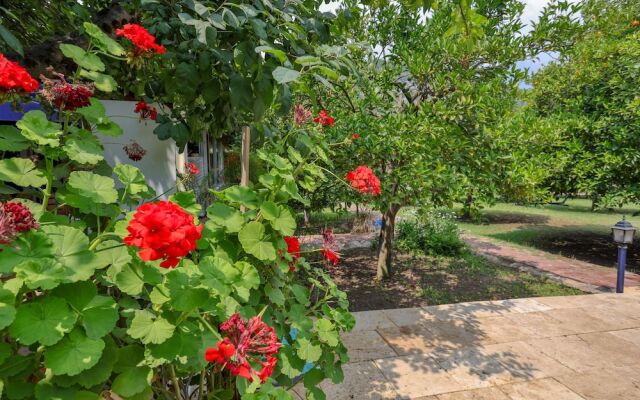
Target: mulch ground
{"points": [[421, 281]]}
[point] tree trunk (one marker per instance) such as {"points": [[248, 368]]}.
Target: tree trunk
{"points": [[466, 208], [386, 241], [305, 213]]}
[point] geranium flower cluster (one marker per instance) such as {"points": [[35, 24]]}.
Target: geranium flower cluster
{"points": [[163, 230], [364, 180], [13, 77], [141, 38], [146, 111], [134, 151], [64, 95], [300, 115], [15, 218], [328, 248], [324, 119], [191, 168], [247, 345], [293, 248]]}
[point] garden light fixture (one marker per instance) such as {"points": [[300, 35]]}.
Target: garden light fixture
{"points": [[623, 233]]}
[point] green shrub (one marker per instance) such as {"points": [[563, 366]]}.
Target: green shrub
{"points": [[435, 233]]}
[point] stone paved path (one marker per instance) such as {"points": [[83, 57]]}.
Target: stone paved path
{"points": [[551, 348], [576, 273]]}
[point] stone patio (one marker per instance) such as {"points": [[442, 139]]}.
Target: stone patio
{"points": [[556, 348]]}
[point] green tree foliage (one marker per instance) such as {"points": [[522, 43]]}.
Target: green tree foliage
{"points": [[430, 100], [591, 95]]}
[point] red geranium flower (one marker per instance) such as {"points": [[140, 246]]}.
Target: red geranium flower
{"points": [[134, 151], [141, 38], [364, 180], [324, 119], [64, 95], [355, 136], [15, 218], [163, 230], [146, 111], [13, 77], [192, 169], [248, 344], [293, 248], [330, 256]]}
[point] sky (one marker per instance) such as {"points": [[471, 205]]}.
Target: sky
{"points": [[532, 9]]}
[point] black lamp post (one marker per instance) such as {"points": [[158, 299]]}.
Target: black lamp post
{"points": [[623, 233]]}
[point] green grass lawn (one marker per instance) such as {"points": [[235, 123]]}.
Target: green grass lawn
{"points": [[572, 230]]}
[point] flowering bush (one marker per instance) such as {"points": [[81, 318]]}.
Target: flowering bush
{"points": [[99, 301]]}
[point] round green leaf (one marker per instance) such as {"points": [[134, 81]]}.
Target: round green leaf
{"points": [[11, 139], [7, 309], [223, 215], [98, 188], [85, 60], [102, 40], [44, 320], [73, 354], [149, 328], [285, 75], [32, 246], [252, 238], [307, 351], [102, 82], [35, 126], [22, 172], [41, 274], [84, 148], [99, 317], [132, 178]]}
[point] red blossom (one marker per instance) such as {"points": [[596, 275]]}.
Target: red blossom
{"points": [[293, 248], [324, 119], [13, 77], [66, 96], [192, 169], [15, 218], [364, 180], [355, 136], [141, 38], [163, 230], [331, 256], [146, 111], [247, 344]]}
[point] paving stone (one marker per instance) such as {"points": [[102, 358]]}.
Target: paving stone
{"points": [[574, 352], [577, 320], [609, 314], [541, 389], [603, 384], [540, 324], [366, 345], [615, 350], [371, 320], [408, 340], [630, 335], [466, 311], [409, 316], [571, 301], [474, 367], [362, 381], [416, 376], [476, 394], [524, 362], [502, 330]]}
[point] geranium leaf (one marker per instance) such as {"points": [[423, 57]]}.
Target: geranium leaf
{"points": [[85, 60], [252, 238], [73, 354], [97, 188], [280, 217], [183, 292], [72, 251], [228, 217], [242, 195], [102, 40], [149, 328], [11, 139], [307, 351], [132, 178], [30, 246], [41, 274], [44, 320], [99, 317], [249, 279], [22, 172], [187, 200], [35, 126], [7, 308], [132, 379], [95, 375], [83, 148], [102, 82]]}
